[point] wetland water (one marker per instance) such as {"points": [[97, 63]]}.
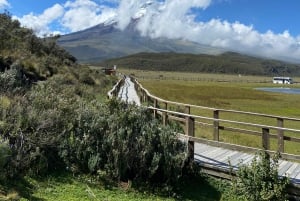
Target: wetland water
{"points": [[281, 90]]}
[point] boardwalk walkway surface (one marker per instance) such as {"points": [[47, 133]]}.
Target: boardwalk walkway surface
{"points": [[128, 93], [216, 159]]}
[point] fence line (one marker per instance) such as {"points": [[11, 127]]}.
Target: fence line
{"points": [[203, 79]]}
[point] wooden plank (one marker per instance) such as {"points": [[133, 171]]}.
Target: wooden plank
{"points": [[241, 131], [292, 139], [228, 156], [222, 155], [224, 160], [199, 148], [295, 173], [283, 170], [210, 149], [176, 118], [242, 148], [292, 169], [248, 160], [205, 159], [208, 156], [298, 177], [242, 159], [212, 153], [236, 159]]}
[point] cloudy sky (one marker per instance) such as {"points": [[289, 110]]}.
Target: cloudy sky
{"points": [[265, 27]]}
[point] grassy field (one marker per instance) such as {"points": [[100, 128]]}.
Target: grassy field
{"points": [[231, 92], [65, 186]]}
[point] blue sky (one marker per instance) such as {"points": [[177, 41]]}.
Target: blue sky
{"points": [[264, 15], [267, 27]]}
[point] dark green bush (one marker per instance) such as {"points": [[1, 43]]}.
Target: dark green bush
{"points": [[259, 181], [125, 142], [141, 148], [12, 81], [5, 153]]}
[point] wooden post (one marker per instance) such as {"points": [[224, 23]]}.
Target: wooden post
{"points": [[216, 125], [165, 118], [280, 135], [165, 106], [164, 114], [265, 138], [144, 96], [146, 99], [141, 95], [155, 106], [190, 131], [187, 110]]}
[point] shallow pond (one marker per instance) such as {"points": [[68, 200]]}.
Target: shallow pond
{"points": [[280, 90]]}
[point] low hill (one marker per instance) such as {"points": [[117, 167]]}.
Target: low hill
{"points": [[229, 62]]}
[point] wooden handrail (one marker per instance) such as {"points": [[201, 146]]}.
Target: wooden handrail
{"points": [[115, 89], [223, 120]]}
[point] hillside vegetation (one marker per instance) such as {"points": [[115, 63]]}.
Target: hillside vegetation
{"points": [[229, 63], [37, 58]]}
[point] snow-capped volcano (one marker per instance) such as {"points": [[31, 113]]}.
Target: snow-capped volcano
{"points": [[106, 41]]}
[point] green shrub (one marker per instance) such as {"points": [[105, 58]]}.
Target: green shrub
{"points": [[4, 157], [125, 142], [141, 148], [10, 80], [259, 181]]}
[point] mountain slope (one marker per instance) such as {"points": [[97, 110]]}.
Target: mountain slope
{"points": [[229, 62], [105, 41]]}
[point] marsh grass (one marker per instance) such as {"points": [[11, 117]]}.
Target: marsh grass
{"points": [[234, 94]]}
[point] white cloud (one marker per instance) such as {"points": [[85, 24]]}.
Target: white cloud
{"points": [[174, 19], [40, 23], [4, 4], [82, 14]]}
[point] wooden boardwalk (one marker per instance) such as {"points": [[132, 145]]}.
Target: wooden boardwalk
{"points": [[128, 94], [216, 161]]}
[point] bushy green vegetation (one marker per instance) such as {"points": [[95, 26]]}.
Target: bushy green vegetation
{"points": [[228, 63], [60, 125], [259, 181], [36, 58]]}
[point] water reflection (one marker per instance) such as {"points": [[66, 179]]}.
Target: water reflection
{"points": [[280, 90]]}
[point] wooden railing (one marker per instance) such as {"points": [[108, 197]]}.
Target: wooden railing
{"points": [[115, 90], [189, 121]]}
